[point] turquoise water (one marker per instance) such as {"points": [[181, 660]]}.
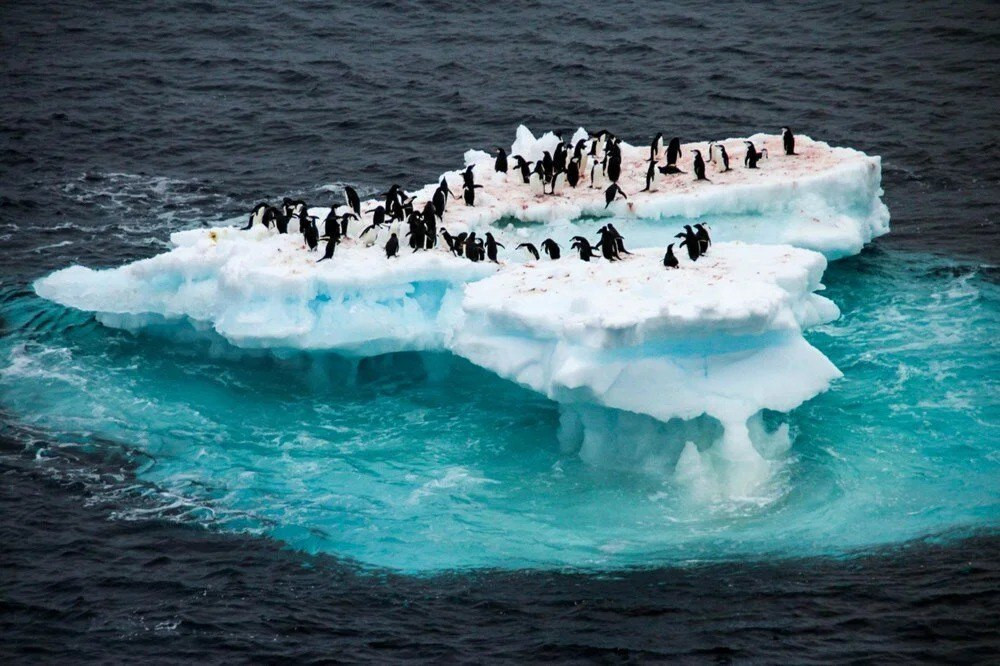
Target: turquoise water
{"points": [[422, 462]]}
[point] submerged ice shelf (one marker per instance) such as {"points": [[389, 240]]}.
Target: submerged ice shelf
{"points": [[684, 361]]}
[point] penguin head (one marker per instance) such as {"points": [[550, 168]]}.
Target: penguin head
{"points": [[785, 130]]}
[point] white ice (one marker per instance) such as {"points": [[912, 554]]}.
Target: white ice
{"points": [[654, 367]]}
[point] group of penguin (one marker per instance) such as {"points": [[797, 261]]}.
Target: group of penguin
{"points": [[600, 153]]}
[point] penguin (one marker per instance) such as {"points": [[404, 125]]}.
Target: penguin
{"points": [[530, 249], [650, 176], [788, 139], [369, 236], [699, 166], [480, 250], [449, 240], [523, 166], [752, 156], [281, 221], [690, 241], [670, 169], [607, 244], [331, 226], [353, 200], [723, 156], [468, 178], [430, 226], [471, 252], [547, 165], [573, 172], [656, 147], [257, 215], [612, 192], [343, 222], [669, 260], [557, 178], [500, 165], [311, 233], [392, 247], [443, 186], [674, 151], [551, 248], [582, 245], [460, 243], [614, 167], [597, 174], [559, 159], [378, 216], [416, 232], [619, 239], [704, 240], [469, 194], [538, 179], [331, 246], [491, 247]]}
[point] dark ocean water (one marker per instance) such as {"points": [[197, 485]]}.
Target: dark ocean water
{"points": [[122, 123]]}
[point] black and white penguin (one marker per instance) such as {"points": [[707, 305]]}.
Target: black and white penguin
{"points": [[523, 166], [690, 240], [656, 148], [619, 239], [583, 246], [471, 251], [673, 151], [559, 158], [573, 172], [753, 156], [788, 140], [281, 221], [547, 165], [538, 179], [597, 174], [430, 226], [614, 167], [469, 194], [331, 246], [607, 244], [468, 177], [491, 247], [558, 177], [699, 166], [650, 176], [353, 200], [392, 247], [443, 186], [331, 226], [551, 248], [416, 231], [257, 216], [530, 249], [669, 260], [500, 165], [612, 192], [460, 243], [450, 241], [480, 250], [310, 233], [704, 240], [723, 161]]}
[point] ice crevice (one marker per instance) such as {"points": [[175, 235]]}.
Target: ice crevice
{"points": [[668, 371]]}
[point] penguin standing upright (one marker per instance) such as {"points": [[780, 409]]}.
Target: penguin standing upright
{"points": [[753, 156], [788, 140], [500, 165], [573, 172], [669, 260], [656, 147], [551, 248], [353, 200], [619, 239], [523, 166], [704, 240], [471, 251], [429, 217], [469, 194], [723, 162], [650, 176], [699, 166], [491, 247], [690, 241], [614, 167], [392, 247], [607, 244], [673, 151]]}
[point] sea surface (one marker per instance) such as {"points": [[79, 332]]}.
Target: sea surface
{"points": [[166, 499]]}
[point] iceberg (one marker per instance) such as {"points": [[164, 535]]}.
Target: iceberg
{"points": [[672, 370]]}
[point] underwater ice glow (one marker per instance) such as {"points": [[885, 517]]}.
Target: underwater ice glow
{"points": [[671, 432]]}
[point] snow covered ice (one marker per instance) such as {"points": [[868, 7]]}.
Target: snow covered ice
{"points": [[668, 370]]}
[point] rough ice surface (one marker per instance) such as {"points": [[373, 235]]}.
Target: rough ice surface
{"points": [[669, 370]]}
